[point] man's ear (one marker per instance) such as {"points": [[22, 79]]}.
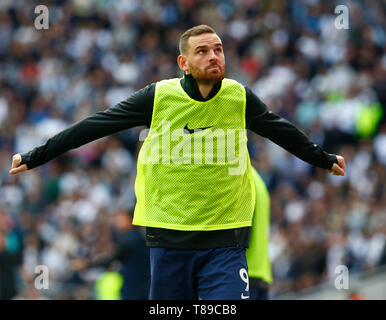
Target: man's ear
{"points": [[182, 63]]}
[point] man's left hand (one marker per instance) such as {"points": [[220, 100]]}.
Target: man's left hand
{"points": [[338, 169]]}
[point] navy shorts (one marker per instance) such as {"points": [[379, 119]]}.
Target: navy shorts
{"points": [[209, 274]]}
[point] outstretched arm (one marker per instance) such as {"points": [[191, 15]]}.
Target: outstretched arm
{"points": [[135, 111], [264, 122]]}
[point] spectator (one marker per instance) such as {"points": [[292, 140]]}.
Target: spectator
{"points": [[10, 257], [133, 256]]}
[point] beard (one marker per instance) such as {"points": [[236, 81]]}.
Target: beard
{"points": [[208, 74]]}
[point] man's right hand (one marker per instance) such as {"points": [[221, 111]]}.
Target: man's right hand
{"points": [[16, 167]]}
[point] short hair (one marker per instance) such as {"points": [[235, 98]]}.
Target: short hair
{"points": [[195, 31]]}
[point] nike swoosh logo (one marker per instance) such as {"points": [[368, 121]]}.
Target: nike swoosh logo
{"points": [[244, 297], [190, 131]]}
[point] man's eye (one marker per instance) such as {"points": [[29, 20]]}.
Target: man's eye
{"points": [[201, 51]]}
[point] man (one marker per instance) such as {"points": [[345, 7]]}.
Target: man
{"points": [[259, 265], [197, 216], [133, 255]]}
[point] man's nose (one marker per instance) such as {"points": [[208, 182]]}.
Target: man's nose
{"points": [[212, 56]]}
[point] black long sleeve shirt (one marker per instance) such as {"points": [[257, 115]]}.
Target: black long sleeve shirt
{"points": [[137, 110]]}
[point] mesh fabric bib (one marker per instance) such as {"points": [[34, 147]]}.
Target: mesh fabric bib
{"points": [[193, 170]]}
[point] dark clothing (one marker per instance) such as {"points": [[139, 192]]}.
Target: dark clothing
{"points": [[209, 274], [157, 237], [135, 265], [135, 257], [8, 263], [258, 289], [137, 111]]}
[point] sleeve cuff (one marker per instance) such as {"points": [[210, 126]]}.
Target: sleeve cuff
{"points": [[25, 158], [332, 159]]}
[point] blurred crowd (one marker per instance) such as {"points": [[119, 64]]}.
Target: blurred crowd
{"points": [[329, 82]]}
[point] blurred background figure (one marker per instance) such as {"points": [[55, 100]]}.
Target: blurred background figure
{"points": [[130, 278], [10, 257], [259, 265], [331, 82], [109, 286]]}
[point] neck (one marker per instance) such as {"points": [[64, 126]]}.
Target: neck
{"points": [[200, 90], [205, 88]]}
